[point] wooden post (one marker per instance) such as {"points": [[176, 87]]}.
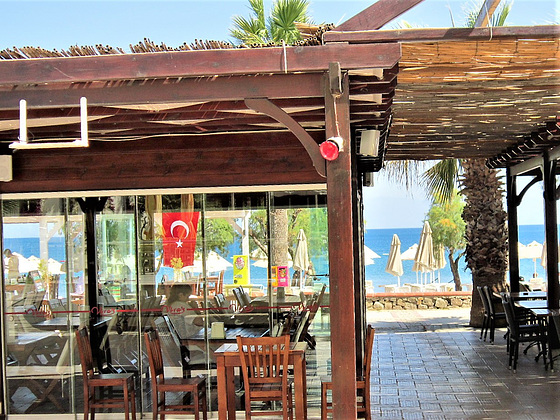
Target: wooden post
{"points": [[551, 231], [513, 234], [341, 249]]}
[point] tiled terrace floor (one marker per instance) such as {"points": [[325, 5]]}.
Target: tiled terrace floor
{"points": [[430, 365]]}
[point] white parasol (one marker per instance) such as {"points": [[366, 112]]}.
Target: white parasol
{"points": [[301, 256], [424, 261], [394, 262], [369, 256], [214, 263], [410, 253], [261, 260], [532, 251]]}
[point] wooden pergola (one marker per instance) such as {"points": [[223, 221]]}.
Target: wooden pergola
{"points": [[256, 117]]}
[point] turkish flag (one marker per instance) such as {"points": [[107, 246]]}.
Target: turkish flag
{"points": [[179, 237]]}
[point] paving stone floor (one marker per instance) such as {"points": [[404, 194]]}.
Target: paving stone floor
{"points": [[429, 364]]}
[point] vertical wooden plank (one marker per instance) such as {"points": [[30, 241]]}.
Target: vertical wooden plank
{"points": [[513, 234], [341, 257], [551, 231]]}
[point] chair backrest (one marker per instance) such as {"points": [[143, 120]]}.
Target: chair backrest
{"points": [[489, 300], [245, 298], [484, 299], [301, 327], [221, 303], [510, 314], [220, 283], [84, 349], [237, 294], [171, 343], [264, 359], [155, 357], [370, 334]]}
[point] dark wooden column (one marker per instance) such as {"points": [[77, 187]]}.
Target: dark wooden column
{"points": [[513, 231], [341, 249], [551, 230], [90, 206]]}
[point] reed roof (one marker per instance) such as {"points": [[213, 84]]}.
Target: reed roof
{"points": [[454, 93]]}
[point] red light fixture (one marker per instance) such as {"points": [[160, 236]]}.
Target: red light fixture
{"points": [[331, 148]]}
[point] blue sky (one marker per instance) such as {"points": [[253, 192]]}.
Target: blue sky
{"points": [[61, 24]]}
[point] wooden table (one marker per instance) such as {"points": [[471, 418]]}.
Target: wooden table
{"points": [[33, 344], [230, 335], [227, 358], [532, 304], [287, 301], [528, 295], [59, 323]]}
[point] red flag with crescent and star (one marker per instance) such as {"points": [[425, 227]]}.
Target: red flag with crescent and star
{"points": [[179, 238]]}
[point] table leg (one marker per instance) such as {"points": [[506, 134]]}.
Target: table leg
{"points": [[222, 392], [300, 388], [230, 389]]}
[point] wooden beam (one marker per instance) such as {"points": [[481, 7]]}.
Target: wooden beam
{"points": [[341, 257], [377, 15], [196, 63], [527, 166], [487, 9], [444, 34], [264, 106], [279, 86]]}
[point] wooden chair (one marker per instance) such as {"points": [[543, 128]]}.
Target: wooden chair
{"points": [[95, 383], [264, 363], [362, 383], [195, 386], [215, 285]]}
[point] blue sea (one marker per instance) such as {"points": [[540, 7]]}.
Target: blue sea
{"points": [[379, 240]]}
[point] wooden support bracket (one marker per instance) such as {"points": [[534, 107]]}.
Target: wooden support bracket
{"points": [[265, 106]]}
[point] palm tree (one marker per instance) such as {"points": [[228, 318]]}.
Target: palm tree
{"points": [[486, 229], [279, 26]]}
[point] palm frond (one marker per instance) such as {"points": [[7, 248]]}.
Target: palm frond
{"points": [[441, 179], [407, 172], [282, 20], [499, 19], [472, 10]]}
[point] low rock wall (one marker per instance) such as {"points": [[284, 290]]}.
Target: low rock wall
{"points": [[442, 300]]}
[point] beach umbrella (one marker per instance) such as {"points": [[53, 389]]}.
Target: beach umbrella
{"points": [[394, 262], [261, 260], [424, 261], [25, 265], [410, 253], [214, 263], [532, 251], [301, 256], [370, 255], [543, 255], [439, 254]]}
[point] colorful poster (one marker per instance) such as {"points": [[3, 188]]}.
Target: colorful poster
{"points": [[241, 269], [179, 238], [283, 275], [274, 275]]}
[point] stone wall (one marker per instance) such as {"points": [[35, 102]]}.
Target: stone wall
{"points": [[419, 302]]}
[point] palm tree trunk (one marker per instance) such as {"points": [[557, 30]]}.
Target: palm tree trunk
{"points": [[486, 231]]}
